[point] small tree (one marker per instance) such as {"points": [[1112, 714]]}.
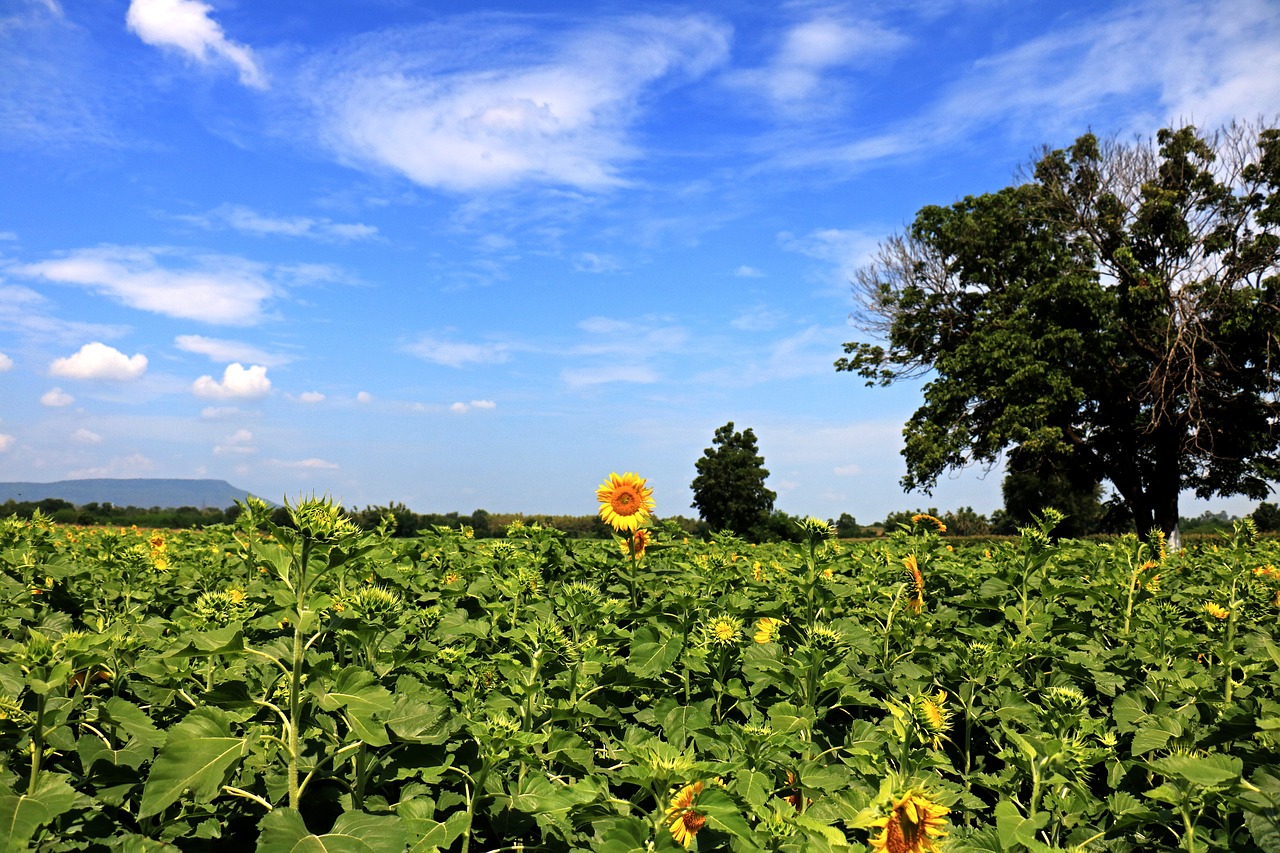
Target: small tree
{"points": [[729, 491]]}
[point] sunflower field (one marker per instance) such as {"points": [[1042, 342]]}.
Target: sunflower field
{"points": [[316, 687]]}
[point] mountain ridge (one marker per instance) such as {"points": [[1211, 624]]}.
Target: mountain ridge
{"points": [[141, 492]]}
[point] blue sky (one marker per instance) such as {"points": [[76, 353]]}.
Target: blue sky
{"points": [[465, 255]]}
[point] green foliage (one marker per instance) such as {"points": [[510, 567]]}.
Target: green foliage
{"points": [[1120, 308], [729, 491], [320, 687]]}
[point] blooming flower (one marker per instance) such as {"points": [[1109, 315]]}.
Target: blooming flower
{"points": [[683, 819], [911, 826], [767, 629], [1217, 611], [639, 540], [625, 501], [723, 630]]}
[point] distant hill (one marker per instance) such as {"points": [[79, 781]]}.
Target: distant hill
{"points": [[142, 493]]}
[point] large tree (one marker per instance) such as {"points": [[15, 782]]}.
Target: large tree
{"points": [[1120, 305], [729, 491]]}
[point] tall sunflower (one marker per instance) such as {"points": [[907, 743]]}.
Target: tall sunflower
{"points": [[683, 820], [625, 501], [911, 826]]}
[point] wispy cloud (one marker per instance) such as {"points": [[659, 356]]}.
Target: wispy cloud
{"points": [[246, 220], [185, 26], [225, 351], [218, 289], [98, 361], [800, 75], [28, 313], [587, 376], [6, 442], [455, 353], [6, 363], [1200, 61], [312, 463], [487, 102]]}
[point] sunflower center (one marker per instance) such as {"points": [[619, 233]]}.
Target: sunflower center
{"points": [[624, 501]]}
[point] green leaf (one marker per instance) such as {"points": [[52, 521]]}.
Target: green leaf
{"points": [[1014, 829], [652, 651], [220, 641], [1206, 771], [283, 831], [412, 719], [357, 690], [197, 755], [22, 814], [133, 720]]}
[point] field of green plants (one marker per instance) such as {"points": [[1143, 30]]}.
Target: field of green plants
{"points": [[318, 688]]}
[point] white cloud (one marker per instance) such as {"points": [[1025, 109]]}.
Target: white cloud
{"points": [[364, 397], [246, 220], [239, 443], [224, 351], [56, 398], [745, 271], [460, 407], [485, 102], [86, 436], [186, 26], [98, 361], [844, 250], [220, 413], [311, 397], [757, 319], [798, 74], [1201, 62], [847, 470], [312, 463], [452, 354], [6, 442], [6, 363], [122, 466], [237, 382], [582, 377], [212, 289], [27, 312]]}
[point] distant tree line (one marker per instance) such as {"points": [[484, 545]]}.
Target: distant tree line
{"points": [[774, 526]]}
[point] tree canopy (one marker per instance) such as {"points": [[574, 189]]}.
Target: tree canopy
{"points": [[1120, 306], [729, 491]]}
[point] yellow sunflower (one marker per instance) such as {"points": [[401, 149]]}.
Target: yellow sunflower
{"points": [[911, 826], [625, 501], [916, 602], [767, 629], [683, 820], [639, 540], [1217, 611]]}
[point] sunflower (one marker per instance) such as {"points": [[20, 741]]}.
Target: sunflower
{"points": [[911, 826], [639, 540], [916, 580], [934, 520], [723, 630], [935, 715], [1217, 611], [683, 820], [767, 629], [625, 501]]}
